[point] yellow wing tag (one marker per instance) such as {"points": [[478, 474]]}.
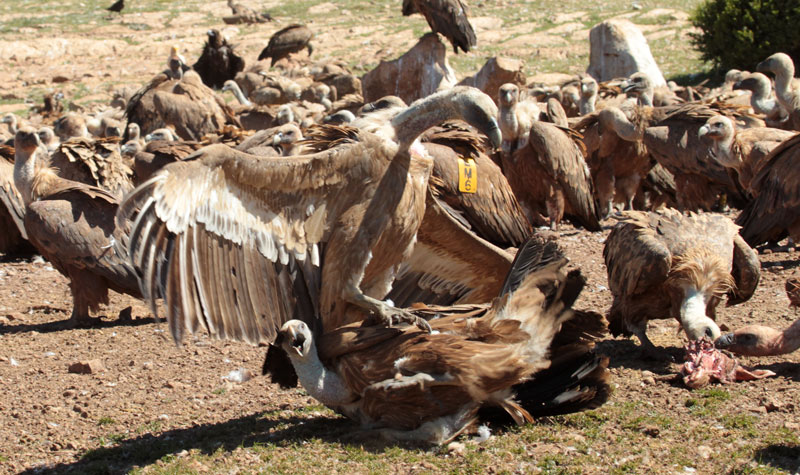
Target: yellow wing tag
{"points": [[467, 176]]}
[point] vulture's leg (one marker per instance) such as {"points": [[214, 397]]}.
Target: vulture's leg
{"points": [[649, 350], [88, 292], [387, 314], [80, 312]]}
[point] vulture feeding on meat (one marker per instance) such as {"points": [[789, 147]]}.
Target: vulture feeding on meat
{"points": [[742, 150], [550, 177], [72, 225], [218, 62], [760, 340], [787, 89], [774, 213], [286, 41], [669, 265], [180, 101], [446, 17], [407, 384], [299, 237]]}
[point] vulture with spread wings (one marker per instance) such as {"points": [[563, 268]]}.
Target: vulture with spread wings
{"points": [[238, 245]]}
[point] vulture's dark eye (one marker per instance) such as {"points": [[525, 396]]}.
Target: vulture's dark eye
{"points": [[709, 332]]}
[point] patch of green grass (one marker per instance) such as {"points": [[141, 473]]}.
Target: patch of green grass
{"points": [[106, 420]]}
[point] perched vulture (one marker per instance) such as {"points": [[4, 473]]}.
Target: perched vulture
{"points": [[407, 384], [515, 117], [13, 238], [286, 41], [305, 237], [446, 17], [218, 63], [182, 102], [549, 176], [762, 100], [774, 213], [72, 225], [742, 150], [787, 89], [251, 116], [666, 264]]}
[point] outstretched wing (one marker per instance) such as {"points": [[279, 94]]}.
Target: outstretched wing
{"points": [[234, 244]]}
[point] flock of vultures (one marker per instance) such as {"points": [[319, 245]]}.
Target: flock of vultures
{"points": [[391, 254]]}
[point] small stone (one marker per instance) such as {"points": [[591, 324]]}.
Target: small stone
{"points": [[705, 451], [69, 393], [87, 367], [147, 365], [758, 410], [791, 425], [59, 79], [163, 417], [173, 385]]}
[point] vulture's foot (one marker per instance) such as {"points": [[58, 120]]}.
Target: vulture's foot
{"points": [[387, 314], [81, 321]]}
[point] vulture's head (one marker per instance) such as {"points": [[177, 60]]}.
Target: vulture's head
{"points": [[161, 134], [9, 119], [752, 340], [637, 84], [295, 339], [285, 114], [755, 82], [26, 140], [215, 39], [508, 95], [588, 87], [46, 134], [733, 76], [383, 103], [477, 109], [717, 128], [175, 68], [343, 116], [228, 85], [133, 130], [778, 63], [286, 136]]}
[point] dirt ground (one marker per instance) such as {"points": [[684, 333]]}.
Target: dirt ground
{"points": [[153, 404], [149, 388]]}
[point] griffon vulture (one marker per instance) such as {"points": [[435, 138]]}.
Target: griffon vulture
{"points": [[71, 224], [775, 210], [742, 150], [549, 176], [760, 340], [244, 14], [761, 99], [666, 264], [14, 238], [787, 88], [515, 117], [286, 41], [446, 17], [407, 384], [218, 62], [239, 245]]}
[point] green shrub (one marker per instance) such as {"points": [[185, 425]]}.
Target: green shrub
{"points": [[740, 33]]}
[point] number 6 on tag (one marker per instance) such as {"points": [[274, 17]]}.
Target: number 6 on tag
{"points": [[467, 176]]}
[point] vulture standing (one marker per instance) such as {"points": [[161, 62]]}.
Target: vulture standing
{"points": [[239, 245], [72, 226], [218, 63], [775, 210], [549, 176], [515, 117], [742, 150], [181, 101], [13, 238], [410, 385], [446, 17], [666, 264], [787, 89], [286, 41]]}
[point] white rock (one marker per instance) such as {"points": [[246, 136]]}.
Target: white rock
{"points": [[618, 49]]}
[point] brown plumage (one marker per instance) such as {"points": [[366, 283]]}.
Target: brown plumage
{"points": [[186, 104], [775, 211], [308, 236], [159, 153], [94, 162], [218, 62], [14, 238], [244, 14], [665, 264], [550, 177], [446, 17], [762, 101], [117, 6], [286, 41], [410, 385], [493, 211], [71, 224], [743, 151]]}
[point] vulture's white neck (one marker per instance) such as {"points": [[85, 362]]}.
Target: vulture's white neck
{"points": [[783, 86], [723, 148], [322, 384], [237, 91], [587, 104], [693, 314], [24, 171]]}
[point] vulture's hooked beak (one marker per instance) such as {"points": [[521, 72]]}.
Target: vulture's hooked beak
{"points": [[298, 342], [494, 134], [627, 86], [277, 138], [725, 340], [703, 131]]}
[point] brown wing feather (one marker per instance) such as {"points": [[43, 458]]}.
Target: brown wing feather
{"points": [[449, 18]]}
